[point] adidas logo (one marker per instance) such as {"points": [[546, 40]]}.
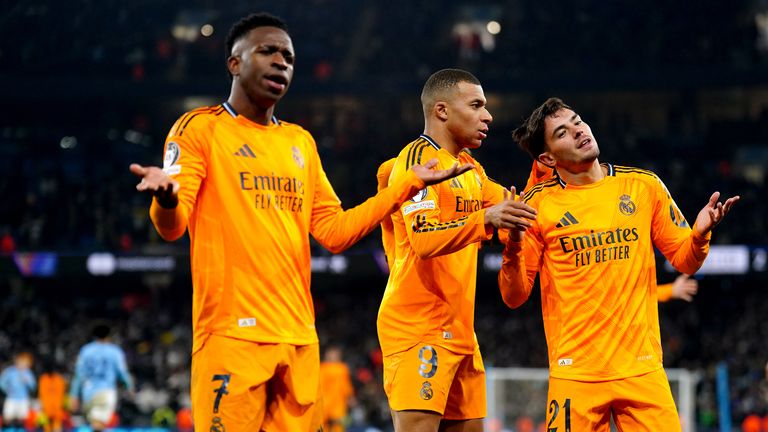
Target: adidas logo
{"points": [[567, 220], [455, 184], [245, 151]]}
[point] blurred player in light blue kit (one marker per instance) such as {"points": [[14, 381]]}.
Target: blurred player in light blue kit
{"points": [[100, 364], [18, 383]]}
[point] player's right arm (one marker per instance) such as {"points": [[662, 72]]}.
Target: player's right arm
{"points": [[429, 235], [387, 228], [174, 187], [521, 259]]}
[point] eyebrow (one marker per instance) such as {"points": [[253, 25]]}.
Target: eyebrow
{"points": [[562, 126]]}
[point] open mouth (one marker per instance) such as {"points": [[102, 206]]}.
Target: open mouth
{"points": [[277, 83], [585, 142]]}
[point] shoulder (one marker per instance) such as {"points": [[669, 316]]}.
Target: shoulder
{"points": [[627, 171], [416, 152], [197, 119], [541, 190], [289, 128], [638, 174]]}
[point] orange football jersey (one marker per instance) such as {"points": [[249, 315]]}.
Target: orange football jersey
{"points": [[250, 196], [430, 294], [593, 247]]}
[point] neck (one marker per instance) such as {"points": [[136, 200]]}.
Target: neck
{"points": [[444, 139], [583, 174], [248, 109]]}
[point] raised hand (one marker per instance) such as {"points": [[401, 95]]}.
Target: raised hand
{"points": [[713, 213], [432, 176], [512, 214], [155, 181]]}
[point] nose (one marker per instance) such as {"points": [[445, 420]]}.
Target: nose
{"points": [[278, 60], [487, 117]]}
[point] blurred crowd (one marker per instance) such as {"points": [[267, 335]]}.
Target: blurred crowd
{"points": [[338, 40]]}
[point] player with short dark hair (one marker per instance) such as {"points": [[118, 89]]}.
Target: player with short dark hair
{"points": [[433, 371], [593, 245], [251, 188]]}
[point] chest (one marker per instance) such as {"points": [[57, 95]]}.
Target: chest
{"points": [[461, 195], [616, 211]]}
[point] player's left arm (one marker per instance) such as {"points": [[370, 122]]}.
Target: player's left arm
{"points": [[713, 213], [686, 248]]}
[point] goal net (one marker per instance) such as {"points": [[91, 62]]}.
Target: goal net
{"points": [[518, 397]]}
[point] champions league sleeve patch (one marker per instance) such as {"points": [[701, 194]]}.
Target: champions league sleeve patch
{"points": [[420, 195], [172, 153]]}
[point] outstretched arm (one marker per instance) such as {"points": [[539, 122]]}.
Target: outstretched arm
{"points": [[158, 184], [337, 229]]}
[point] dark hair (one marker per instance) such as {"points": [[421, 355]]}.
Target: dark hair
{"points": [[101, 331], [248, 23], [440, 82], [530, 135]]}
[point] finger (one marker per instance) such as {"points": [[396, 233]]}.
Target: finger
{"points": [[684, 277], [464, 168], [522, 208], [712, 214], [686, 297], [517, 221], [176, 187], [730, 202], [432, 163], [138, 169], [513, 191], [713, 199]]}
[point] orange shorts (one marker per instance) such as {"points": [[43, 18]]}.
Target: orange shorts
{"points": [[239, 385], [641, 403], [431, 378]]}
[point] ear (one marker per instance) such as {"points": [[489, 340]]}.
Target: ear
{"points": [[441, 110], [546, 159], [233, 64]]}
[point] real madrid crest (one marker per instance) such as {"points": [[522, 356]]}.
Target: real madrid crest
{"points": [[626, 206], [298, 157], [426, 392]]}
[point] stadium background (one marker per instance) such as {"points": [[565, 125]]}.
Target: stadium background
{"points": [[87, 87]]}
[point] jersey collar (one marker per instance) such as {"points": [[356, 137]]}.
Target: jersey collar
{"points": [[609, 166], [233, 113], [430, 141]]}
